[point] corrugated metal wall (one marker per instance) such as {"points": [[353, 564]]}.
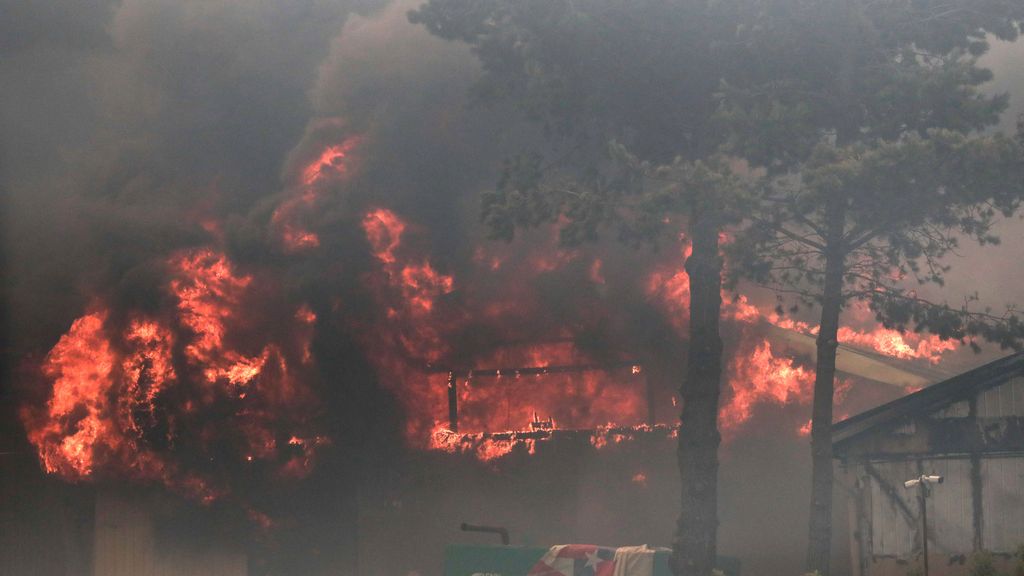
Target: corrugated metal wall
{"points": [[893, 531], [950, 514], [1003, 503], [126, 545], [895, 513], [1002, 401], [123, 539]]}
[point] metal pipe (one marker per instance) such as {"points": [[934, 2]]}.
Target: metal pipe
{"points": [[503, 532], [924, 526], [922, 484]]}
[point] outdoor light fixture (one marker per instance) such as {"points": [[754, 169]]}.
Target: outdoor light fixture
{"points": [[921, 483]]}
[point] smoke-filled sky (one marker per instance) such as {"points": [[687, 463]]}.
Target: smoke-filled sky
{"points": [[125, 122], [134, 131]]}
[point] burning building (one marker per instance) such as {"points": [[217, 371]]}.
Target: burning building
{"points": [[968, 429], [260, 327]]}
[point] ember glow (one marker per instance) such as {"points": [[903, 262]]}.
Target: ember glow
{"points": [[569, 400], [489, 447]]}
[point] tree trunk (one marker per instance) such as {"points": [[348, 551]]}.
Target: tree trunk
{"points": [[819, 550], [695, 547]]}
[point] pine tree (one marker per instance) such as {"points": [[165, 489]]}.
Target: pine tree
{"points": [[622, 88], [866, 118]]}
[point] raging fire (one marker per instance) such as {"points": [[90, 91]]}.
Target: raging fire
{"points": [[123, 397], [121, 405]]}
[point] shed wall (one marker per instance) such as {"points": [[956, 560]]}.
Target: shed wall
{"points": [[126, 544], [895, 511], [1003, 503], [1003, 401]]}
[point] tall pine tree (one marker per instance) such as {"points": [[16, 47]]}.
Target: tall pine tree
{"points": [[866, 118], [644, 74]]}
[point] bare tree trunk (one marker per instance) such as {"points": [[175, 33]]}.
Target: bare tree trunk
{"points": [[695, 547], [819, 550]]}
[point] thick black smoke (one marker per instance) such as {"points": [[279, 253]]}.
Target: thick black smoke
{"points": [[125, 125]]}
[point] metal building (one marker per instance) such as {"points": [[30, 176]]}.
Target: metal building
{"points": [[968, 429]]}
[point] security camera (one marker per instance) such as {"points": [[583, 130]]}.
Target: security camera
{"points": [[932, 479]]}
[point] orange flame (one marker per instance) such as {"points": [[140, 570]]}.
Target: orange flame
{"points": [[109, 387], [333, 162], [759, 376], [384, 231], [80, 365], [763, 377]]}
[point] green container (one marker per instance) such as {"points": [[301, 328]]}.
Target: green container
{"points": [[463, 560]]}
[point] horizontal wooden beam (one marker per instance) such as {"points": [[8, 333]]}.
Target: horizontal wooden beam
{"points": [[535, 370]]}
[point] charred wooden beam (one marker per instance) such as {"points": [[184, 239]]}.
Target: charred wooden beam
{"points": [[453, 402], [544, 434], [536, 370], [652, 400], [455, 374]]}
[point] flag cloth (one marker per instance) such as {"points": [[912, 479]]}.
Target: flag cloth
{"points": [[587, 560]]}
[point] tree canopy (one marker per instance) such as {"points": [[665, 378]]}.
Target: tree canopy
{"points": [[866, 119]]}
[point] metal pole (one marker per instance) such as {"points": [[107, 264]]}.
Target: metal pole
{"points": [[921, 483], [924, 524]]}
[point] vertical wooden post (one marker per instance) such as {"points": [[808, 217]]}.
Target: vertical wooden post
{"points": [[453, 402], [651, 416]]}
